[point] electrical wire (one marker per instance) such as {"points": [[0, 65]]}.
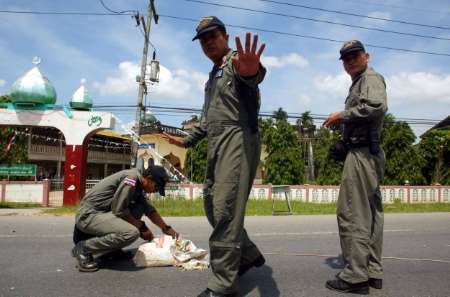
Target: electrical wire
{"points": [[317, 20], [311, 37], [355, 14], [116, 12]]}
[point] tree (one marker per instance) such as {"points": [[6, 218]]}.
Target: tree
{"points": [[435, 149], [284, 163], [328, 171], [280, 114], [195, 163], [18, 153], [403, 160]]}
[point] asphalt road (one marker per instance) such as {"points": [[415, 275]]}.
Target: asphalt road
{"points": [[302, 252]]}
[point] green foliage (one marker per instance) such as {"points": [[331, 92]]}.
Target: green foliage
{"points": [[403, 160], [435, 149], [328, 170], [280, 115], [5, 98], [196, 157], [18, 153], [284, 163]]}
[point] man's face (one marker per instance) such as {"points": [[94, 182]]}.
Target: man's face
{"points": [[149, 185], [355, 63], [214, 45]]}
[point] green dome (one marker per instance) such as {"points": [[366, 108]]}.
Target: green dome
{"points": [[34, 88], [150, 119], [81, 99]]}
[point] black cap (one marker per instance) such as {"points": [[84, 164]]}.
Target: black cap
{"points": [[159, 175], [351, 46], [207, 24]]}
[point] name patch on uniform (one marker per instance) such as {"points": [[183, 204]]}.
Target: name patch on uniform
{"points": [[129, 181]]}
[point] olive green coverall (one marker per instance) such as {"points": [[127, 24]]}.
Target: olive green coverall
{"points": [[359, 207], [230, 122], [102, 208]]}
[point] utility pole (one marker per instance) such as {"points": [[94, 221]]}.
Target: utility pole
{"points": [[141, 79]]}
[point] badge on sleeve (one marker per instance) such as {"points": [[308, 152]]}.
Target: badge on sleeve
{"points": [[129, 181]]}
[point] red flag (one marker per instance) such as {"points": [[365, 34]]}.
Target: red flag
{"points": [[10, 144]]}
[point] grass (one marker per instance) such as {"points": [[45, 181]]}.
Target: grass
{"points": [[180, 207], [19, 205]]}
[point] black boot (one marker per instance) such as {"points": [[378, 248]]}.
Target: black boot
{"points": [[257, 263], [376, 283], [209, 293], [346, 287], [85, 260]]}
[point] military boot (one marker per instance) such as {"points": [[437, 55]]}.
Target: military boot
{"points": [[376, 283], [209, 293], [85, 260], [341, 285]]}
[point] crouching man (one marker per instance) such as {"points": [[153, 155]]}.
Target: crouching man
{"points": [[109, 217]]}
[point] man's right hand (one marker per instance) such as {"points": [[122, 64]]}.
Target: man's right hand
{"points": [[173, 140]]}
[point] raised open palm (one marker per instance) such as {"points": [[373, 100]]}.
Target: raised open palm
{"points": [[246, 62]]}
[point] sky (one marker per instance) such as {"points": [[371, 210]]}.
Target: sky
{"points": [[304, 74]]}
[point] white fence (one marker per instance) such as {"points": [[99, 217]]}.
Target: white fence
{"points": [[49, 193]]}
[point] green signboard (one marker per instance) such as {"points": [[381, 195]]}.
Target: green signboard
{"points": [[18, 170]]}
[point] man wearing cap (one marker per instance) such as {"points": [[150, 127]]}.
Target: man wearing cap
{"points": [[230, 123], [109, 217], [359, 207]]}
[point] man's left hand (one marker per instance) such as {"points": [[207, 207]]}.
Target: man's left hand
{"points": [[246, 63], [333, 120]]}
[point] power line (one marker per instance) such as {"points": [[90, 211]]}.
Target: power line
{"points": [[399, 6], [65, 13], [164, 110], [318, 20], [312, 37], [117, 12], [355, 14]]}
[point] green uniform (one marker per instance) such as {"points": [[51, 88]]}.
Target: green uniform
{"points": [[230, 122], [359, 206], [102, 209]]}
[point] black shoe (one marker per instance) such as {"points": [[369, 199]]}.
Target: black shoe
{"points": [[257, 263], [376, 283], [85, 260], [209, 293], [117, 255], [346, 287]]}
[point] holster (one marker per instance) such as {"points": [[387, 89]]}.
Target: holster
{"points": [[338, 150]]}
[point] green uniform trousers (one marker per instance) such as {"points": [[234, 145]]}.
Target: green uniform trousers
{"points": [[111, 232], [360, 215], [233, 157]]}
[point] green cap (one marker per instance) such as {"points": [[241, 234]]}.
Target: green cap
{"points": [[159, 175], [351, 46], [208, 24]]}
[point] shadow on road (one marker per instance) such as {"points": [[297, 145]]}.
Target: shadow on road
{"points": [[259, 279]]}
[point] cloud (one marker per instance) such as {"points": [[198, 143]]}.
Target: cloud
{"points": [[404, 87], [2, 82], [172, 84], [292, 59], [419, 87], [377, 23], [337, 85]]}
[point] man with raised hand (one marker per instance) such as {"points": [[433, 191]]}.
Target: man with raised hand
{"points": [[230, 123]]}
